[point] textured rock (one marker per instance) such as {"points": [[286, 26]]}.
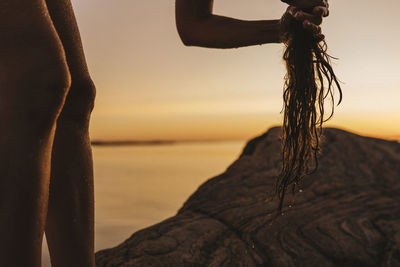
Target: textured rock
{"points": [[348, 213]]}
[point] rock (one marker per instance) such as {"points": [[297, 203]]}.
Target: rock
{"points": [[347, 213]]}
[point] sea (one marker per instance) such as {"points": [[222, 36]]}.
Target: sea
{"points": [[140, 185]]}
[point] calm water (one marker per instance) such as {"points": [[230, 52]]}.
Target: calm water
{"points": [[138, 186]]}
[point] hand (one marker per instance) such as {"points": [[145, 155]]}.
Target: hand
{"points": [[312, 18], [305, 4]]}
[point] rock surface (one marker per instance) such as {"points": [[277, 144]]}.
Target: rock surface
{"points": [[347, 213]]}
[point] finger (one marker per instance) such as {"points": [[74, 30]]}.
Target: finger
{"points": [[292, 10], [302, 16], [315, 30], [320, 11], [305, 4], [311, 27]]}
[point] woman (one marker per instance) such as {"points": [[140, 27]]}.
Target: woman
{"points": [[46, 97]]}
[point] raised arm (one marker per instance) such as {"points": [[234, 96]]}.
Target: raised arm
{"points": [[198, 26]]}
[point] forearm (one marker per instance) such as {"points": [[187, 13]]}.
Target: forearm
{"points": [[223, 32], [198, 26]]}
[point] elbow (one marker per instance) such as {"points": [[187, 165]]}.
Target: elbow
{"points": [[193, 34], [193, 30], [191, 19], [186, 19], [185, 40], [186, 34]]}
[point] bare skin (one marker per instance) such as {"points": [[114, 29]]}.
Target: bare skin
{"points": [[46, 96], [198, 26], [70, 219]]}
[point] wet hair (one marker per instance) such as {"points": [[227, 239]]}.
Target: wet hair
{"points": [[309, 82]]}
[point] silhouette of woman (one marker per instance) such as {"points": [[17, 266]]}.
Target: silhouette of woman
{"points": [[46, 97]]}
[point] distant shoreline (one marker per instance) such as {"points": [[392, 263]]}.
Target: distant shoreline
{"points": [[132, 143], [175, 142], [156, 142]]}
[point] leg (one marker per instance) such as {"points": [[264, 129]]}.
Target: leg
{"points": [[70, 223], [34, 81]]}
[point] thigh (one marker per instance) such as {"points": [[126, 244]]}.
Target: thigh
{"points": [[63, 17], [24, 24], [32, 60]]}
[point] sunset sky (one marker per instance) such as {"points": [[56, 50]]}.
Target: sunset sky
{"points": [[150, 86]]}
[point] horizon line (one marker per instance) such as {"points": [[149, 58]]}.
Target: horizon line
{"points": [[157, 142]]}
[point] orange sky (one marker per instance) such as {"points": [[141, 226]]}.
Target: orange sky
{"points": [[149, 86]]}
